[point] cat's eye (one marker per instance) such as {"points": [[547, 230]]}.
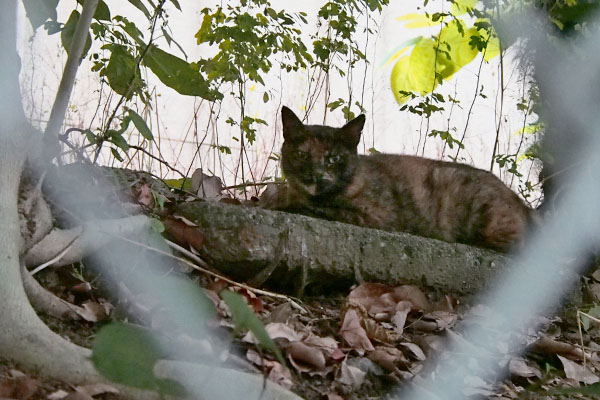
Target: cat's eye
{"points": [[302, 155], [333, 159]]}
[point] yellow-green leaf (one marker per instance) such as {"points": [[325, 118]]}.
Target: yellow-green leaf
{"points": [[461, 52], [493, 45], [460, 7], [418, 20], [400, 79], [529, 129], [422, 66]]}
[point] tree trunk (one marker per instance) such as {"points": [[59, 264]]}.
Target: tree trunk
{"points": [[23, 336]]}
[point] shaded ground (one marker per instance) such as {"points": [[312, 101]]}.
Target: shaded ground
{"points": [[358, 344], [357, 347]]}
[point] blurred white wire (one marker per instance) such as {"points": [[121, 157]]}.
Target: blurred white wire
{"points": [[566, 238]]}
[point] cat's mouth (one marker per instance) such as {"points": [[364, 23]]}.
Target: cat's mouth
{"points": [[319, 188]]}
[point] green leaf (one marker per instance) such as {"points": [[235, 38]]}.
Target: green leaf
{"points": [[68, 31], [40, 11], [156, 225], [203, 33], [182, 183], [265, 97], [133, 31], [102, 12], [244, 318], [122, 72], [127, 354], [178, 74], [116, 154], [159, 199], [140, 125], [140, 6], [117, 139], [176, 4]]}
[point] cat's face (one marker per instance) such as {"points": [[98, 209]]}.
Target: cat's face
{"points": [[319, 160]]}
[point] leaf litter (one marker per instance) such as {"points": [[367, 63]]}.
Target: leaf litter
{"points": [[356, 347]]}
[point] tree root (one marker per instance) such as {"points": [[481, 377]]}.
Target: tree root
{"points": [[82, 241], [25, 339], [44, 301]]}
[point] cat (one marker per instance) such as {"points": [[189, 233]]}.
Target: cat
{"points": [[326, 178]]}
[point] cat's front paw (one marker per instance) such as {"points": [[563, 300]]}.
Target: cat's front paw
{"points": [[274, 197]]}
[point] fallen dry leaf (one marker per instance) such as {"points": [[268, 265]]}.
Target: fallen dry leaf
{"points": [[280, 375], [78, 396], [435, 321], [277, 373], [58, 395], [414, 295], [545, 345], [388, 357], [372, 298], [351, 375], [383, 332], [18, 386], [278, 330], [206, 186], [400, 316], [338, 355], [96, 388], [578, 372], [326, 344], [83, 287], [281, 313], [93, 311], [380, 300], [448, 303], [305, 358], [415, 351], [518, 366], [354, 334], [144, 196], [183, 234], [275, 330]]}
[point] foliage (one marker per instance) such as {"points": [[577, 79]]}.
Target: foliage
{"points": [[127, 354], [244, 318], [461, 33], [438, 58]]}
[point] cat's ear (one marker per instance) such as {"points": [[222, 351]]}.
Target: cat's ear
{"points": [[353, 129], [291, 123]]}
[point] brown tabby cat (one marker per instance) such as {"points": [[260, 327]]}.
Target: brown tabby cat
{"points": [[442, 200]]}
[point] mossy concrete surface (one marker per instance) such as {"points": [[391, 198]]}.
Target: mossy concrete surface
{"points": [[319, 255]]}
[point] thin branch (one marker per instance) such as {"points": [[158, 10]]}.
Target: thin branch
{"points": [[59, 108], [157, 13]]}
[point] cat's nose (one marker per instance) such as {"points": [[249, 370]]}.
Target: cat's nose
{"points": [[324, 177]]}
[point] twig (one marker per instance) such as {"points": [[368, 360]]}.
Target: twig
{"points": [[55, 259], [157, 11], [293, 302]]}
